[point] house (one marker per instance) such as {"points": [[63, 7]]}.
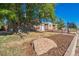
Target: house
{"points": [[46, 25]]}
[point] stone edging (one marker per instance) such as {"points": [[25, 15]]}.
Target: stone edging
{"points": [[71, 49]]}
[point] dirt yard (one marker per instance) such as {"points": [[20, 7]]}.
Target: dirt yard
{"points": [[13, 45], [62, 41]]}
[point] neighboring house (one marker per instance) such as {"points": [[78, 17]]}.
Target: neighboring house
{"points": [[46, 25]]}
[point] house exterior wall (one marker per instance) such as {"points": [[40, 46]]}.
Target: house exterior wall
{"points": [[50, 27], [54, 27], [45, 27]]}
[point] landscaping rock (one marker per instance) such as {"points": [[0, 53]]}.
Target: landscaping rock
{"points": [[42, 45]]}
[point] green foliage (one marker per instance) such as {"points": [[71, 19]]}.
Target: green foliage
{"points": [[72, 25], [7, 13], [13, 12], [40, 11], [1, 24], [47, 11], [60, 24]]}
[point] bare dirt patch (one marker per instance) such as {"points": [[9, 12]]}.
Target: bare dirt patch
{"points": [[63, 42]]}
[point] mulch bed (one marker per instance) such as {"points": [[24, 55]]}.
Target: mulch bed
{"points": [[62, 41]]}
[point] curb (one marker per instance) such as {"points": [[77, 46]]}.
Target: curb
{"points": [[71, 49]]}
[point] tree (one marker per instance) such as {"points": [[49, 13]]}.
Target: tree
{"points": [[47, 11], [72, 25], [60, 24], [14, 12], [38, 11]]}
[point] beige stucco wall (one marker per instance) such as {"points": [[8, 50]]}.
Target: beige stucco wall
{"points": [[49, 27]]}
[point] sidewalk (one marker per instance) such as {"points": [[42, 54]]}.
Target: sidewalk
{"points": [[71, 49], [77, 47]]}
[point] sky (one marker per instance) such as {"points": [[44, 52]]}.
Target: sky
{"points": [[69, 12]]}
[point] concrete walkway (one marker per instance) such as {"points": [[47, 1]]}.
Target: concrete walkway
{"points": [[71, 49], [77, 46]]}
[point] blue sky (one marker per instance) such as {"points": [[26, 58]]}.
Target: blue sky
{"points": [[69, 12]]}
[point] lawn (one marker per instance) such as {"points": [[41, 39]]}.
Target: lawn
{"points": [[3, 49]]}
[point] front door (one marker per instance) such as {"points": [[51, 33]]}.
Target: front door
{"points": [[46, 27]]}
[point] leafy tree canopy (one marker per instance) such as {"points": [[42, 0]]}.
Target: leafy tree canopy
{"points": [[60, 24], [72, 25], [7, 13]]}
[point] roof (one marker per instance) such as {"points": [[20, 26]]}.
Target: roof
{"points": [[46, 21]]}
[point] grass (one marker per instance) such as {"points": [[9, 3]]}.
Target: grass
{"points": [[8, 51], [8, 38]]}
